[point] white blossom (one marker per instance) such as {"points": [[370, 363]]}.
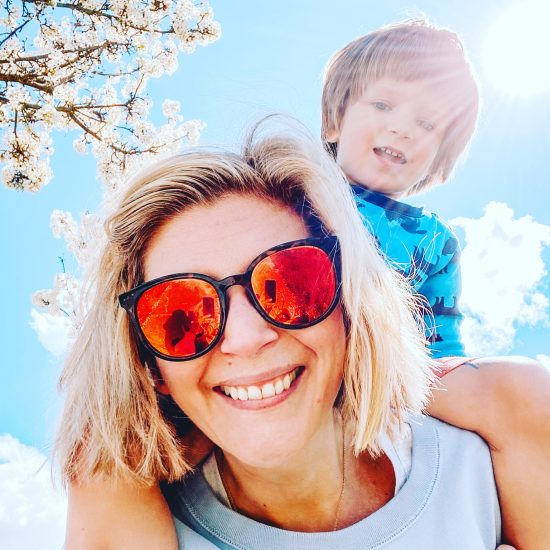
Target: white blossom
{"points": [[171, 108], [80, 145], [87, 69], [62, 298], [79, 237]]}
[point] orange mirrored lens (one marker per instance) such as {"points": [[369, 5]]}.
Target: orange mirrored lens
{"points": [[295, 286], [180, 318]]}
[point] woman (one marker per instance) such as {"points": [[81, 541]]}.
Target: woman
{"points": [[253, 300]]}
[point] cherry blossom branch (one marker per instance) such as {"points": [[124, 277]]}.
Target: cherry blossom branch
{"points": [[88, 68]]}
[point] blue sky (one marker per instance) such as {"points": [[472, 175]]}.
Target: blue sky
{"points": [[270, 59]]}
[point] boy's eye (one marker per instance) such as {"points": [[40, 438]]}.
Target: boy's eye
{"points": [[426, 125], [381, 106]]}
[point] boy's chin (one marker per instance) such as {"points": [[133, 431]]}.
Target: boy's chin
{"points": [[381, 189]]}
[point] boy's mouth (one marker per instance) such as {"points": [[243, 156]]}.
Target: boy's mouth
{"points": [[392, 155]]}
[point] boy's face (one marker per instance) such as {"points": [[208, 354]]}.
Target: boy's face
{"points": [[389, 137]]}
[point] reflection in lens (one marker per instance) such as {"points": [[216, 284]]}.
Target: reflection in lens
{"points": [[295, 286], [179, 318]]}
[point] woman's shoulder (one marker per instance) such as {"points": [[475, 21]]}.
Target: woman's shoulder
{"points": [[445, 436], [456, 455], [104, 515]]}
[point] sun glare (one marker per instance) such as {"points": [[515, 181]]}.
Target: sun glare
{"points": [[516, 51]]}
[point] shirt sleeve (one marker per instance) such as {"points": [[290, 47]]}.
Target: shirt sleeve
{"points": [[442, 290]]}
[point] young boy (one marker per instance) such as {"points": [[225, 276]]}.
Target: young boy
{"points": [[399, 107]]}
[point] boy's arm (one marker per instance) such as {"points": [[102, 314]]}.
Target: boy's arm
{"points": [[103, 517], [507, 401], [442, 290]]}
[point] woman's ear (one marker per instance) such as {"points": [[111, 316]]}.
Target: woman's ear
{"points": [[161, 387], [150, 363], [158, 382]]}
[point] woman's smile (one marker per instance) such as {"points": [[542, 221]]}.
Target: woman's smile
{"points": [[261, 391]]}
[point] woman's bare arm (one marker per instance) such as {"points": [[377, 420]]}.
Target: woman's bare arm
{"points": [[103, 517]]}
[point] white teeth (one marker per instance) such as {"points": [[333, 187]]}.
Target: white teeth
{"points": [[275, 387], [286, 381], [243, 394], [254, 392], [392, 153]]}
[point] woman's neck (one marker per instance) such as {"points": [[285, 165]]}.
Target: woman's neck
{"points": [[300, 494], [323, 488]]}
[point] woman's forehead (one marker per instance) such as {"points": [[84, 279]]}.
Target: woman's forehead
{"points": [[222, 238]]}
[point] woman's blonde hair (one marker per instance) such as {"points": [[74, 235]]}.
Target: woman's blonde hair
{"points": [[411, 50], [113, 426]]}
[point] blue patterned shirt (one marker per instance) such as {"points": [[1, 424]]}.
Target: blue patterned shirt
{"points": [[424, 249]]}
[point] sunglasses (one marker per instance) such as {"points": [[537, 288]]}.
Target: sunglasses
{"points": [[182, 316]]}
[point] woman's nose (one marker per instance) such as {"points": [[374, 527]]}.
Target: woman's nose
{"points": [[246, 331]]}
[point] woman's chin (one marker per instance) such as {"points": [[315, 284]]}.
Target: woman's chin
{"points": [[279, 443], [263, 455]]}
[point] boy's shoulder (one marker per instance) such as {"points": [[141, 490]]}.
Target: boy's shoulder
{"points": [[376, 208]]}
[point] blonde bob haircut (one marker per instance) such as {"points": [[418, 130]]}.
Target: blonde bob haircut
{"points": [[113, 425], [412, 50]]}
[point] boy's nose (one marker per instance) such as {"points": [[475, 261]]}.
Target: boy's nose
{"points": [[402, 125], [401, 129]]}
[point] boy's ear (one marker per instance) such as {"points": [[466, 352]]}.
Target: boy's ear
{"points": [[333, 136], [331, 148]]}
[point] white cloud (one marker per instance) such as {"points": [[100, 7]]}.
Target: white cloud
{"points": [[502, 271], [54, 332], [32, 512], [544, 359]]}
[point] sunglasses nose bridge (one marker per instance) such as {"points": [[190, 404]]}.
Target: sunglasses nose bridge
{"points": [[233, 280]]}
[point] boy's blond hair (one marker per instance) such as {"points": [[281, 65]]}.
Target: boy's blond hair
{"points": [[411, 50], [113, 425]]}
